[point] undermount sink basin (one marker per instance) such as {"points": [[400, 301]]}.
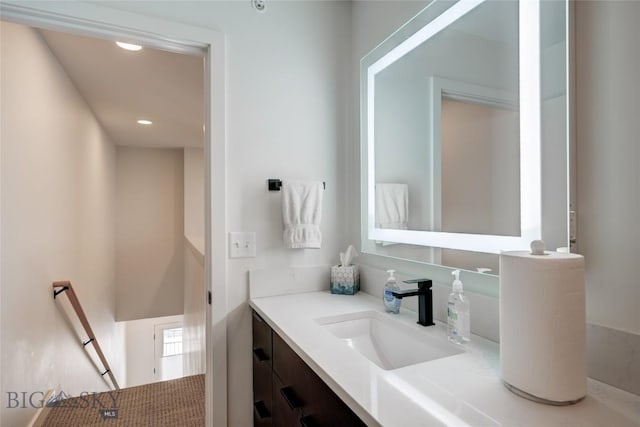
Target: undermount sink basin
{"points": [[385, 341]]}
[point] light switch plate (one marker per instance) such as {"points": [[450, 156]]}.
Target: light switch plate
{"points": [[242, 244]]}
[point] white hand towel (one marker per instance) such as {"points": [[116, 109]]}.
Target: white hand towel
{"points": [[392, 206], [301, 214]]}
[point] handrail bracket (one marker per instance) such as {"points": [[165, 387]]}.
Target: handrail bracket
{"points": [[55, 293]]}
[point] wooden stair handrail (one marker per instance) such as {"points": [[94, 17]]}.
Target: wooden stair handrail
{"points": [[65, 285]]}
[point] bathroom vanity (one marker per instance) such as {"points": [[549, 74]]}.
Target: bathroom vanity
{"points": [[297, 344]]}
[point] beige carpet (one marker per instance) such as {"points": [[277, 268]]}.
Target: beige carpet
{"points": [[172, 403]]}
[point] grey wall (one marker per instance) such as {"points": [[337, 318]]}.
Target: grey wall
{"points": [[608, 132], [608, 183]]}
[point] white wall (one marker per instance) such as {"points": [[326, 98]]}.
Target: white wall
{"points": [[608, 102], [58, 198], [140, 349], [194, 192], [149, 232]]}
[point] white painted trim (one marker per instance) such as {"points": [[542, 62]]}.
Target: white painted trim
{"points": [[158, 345], [71, 19], [471, 93], [88, 19]]}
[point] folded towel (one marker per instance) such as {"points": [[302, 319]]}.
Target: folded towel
{"points": [[301, 214], [392, 206]]}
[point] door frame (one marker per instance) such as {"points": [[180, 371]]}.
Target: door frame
{"points": [[158, 345], [94, 20]]}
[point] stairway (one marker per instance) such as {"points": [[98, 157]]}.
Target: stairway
{"points": [[173, 403]]}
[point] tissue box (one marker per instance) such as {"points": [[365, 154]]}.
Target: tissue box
{"points": [[345, 280]]}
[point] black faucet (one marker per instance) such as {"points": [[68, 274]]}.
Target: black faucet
{"points": [[425, 300]]}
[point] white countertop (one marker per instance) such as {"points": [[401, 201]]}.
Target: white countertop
{"points": [[460, 390]]}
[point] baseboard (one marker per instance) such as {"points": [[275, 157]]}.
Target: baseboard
{"points": [[613, 357]]}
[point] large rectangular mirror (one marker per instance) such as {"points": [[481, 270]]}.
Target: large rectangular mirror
{"points": [[464, 114]]}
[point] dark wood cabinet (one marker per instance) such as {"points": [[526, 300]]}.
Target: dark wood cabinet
{"points": [[262, 373], [296, 396]]}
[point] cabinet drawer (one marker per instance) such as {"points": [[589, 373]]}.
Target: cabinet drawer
{"points": [[262, 394], [262, 417], [289, 367], [286, 405], [262, 347]]}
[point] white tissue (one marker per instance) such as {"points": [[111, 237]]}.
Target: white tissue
{"points": [[347, 257], [543, 325]]}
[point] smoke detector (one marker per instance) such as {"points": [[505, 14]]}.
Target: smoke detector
{"points": [[259, 5]]}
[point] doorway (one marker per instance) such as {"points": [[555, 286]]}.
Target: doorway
{"points": [[98, 21], [168, 351]]}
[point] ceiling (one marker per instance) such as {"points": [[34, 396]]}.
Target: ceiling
{"points": [[121, 87]]}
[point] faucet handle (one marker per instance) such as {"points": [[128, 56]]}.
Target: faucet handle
{"points": [[422, 283]]}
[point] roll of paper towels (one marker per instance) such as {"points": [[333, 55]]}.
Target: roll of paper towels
{"points": [[543, 326]]}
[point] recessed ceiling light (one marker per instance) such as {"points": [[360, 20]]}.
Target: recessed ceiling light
{"points": [[145, 122], [129, 46]]}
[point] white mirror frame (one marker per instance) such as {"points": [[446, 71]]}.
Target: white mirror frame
{"points": [[530, 134]]}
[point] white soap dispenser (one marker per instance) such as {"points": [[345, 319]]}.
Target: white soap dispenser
{"points": [[391, 303], [458, 329]]}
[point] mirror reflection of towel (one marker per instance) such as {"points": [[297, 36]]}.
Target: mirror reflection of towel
{"points": [[392, 206], [301, 214]]}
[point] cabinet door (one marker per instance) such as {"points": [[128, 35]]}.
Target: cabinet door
{"points": [[262, 373], [262, 395], [286, 405], [319, 405], [262, 347], [327, 409], [291, 370]]}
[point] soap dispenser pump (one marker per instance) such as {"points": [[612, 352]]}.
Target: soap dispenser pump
{"points": [[391, 303], [458, 329]]}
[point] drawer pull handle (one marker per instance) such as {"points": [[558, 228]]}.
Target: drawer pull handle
{"points": [[260, 355], [260, 410], [291, 398], [307, 421]]}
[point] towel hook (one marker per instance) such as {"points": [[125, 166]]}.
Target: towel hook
{"points": [[276, 184]]}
